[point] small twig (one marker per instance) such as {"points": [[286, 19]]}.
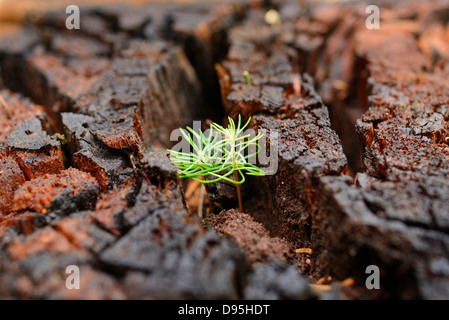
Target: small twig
{"points": [[321, 286], [218, 205], [324, 280], [296, 84], [320, 289], [347, 282], [6, 107], [210, 209], [130, 156], [191, 188], [304, 250]]}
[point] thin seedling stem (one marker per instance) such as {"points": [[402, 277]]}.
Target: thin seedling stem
{"points": [[201, 202], [238, 192]]}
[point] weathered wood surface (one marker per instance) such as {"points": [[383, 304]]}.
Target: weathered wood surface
{"points": [[102, 193], [394, 216], [387, 85]]}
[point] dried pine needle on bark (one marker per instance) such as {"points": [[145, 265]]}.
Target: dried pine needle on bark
{"points": [[304, 250]]}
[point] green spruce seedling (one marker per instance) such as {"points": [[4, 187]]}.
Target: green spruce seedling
{"points": [[221, 155], [247, 77]]}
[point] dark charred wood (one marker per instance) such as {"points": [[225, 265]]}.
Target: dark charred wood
{"points": [[398, 227], [164, 237], [109, 166], [275, 281]]}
